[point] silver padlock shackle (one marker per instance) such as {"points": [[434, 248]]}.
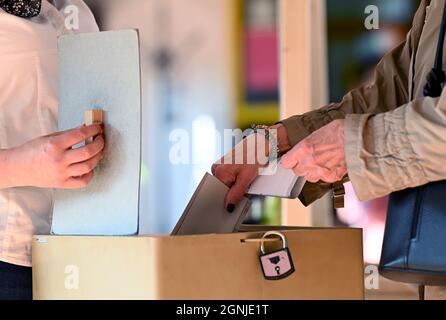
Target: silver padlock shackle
{"points": [[269, 234]]}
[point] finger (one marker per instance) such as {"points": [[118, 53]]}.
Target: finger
{"points": [[301, 172], [335, 161], [213, 168], [288, 162], [85, 153], [238, 190], [225, 174], [328, 175], [58, 133], [78, 182], [293, 157], [327, 157], [326, 146], [313, 176], [79, 169], [322, 174], [75, 136], [304, 167], [341, 172]]}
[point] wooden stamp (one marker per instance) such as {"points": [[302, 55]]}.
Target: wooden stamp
{"points": [[94, 116]]}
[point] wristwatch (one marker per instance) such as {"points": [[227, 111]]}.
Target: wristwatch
{"points": [[271, 136]]}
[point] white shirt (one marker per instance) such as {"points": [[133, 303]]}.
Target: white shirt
{"points": [[28, 109]]}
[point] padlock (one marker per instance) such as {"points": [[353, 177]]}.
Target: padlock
{"points": [[278, 264]]}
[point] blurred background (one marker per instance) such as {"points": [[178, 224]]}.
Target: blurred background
{"points": [[210, 65]]}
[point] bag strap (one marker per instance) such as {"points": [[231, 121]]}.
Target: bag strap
{"points": [[436, 77], [421, 292]]}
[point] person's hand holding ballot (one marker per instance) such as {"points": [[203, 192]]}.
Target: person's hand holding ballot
{"points": [[321, 156]]}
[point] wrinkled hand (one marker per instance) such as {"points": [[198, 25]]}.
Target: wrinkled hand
{"points": [[51, 162], [321, 156], [238, 170]]}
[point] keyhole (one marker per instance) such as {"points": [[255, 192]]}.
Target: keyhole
{"points": [[278, 270]]}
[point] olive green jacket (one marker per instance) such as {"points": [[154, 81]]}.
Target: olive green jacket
{"points": [[394, 137]]}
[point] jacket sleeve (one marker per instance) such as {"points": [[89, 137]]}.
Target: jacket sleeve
{"points": [[388, 90], [397, 150]]}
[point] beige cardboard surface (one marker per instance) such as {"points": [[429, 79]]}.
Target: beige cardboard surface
{"points": [[328, 263]]}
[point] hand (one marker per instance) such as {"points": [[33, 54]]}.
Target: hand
{"points": [[237, 175], [242, 165], [321, 156], [51, 162]]}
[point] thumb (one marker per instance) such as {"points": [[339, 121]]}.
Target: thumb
{"points": [[288, 161]]}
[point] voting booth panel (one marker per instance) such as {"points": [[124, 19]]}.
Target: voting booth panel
{"points": [[101, 71], [328, 265]]}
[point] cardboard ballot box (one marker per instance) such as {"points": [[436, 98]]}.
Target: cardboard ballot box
{"points": [[328, 265]]}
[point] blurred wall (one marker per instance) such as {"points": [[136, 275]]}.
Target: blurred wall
{"points": [[303, 86]]}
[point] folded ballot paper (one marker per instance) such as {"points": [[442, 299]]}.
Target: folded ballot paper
{"points": [[280, 183], [102, 71], [206, 213]]}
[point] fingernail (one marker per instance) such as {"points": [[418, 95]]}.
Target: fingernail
{"points": [[99, 136], [230, 208]]}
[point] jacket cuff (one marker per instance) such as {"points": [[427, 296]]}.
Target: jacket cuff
{"points": [[295, 129], [353, 134], [312, 192], [379, 154]]}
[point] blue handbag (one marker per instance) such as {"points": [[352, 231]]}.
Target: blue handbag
{"points": [[414, 247]]}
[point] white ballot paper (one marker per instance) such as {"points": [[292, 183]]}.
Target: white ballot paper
{"points": [[274, 180], [282, 184], [206, 212]]}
